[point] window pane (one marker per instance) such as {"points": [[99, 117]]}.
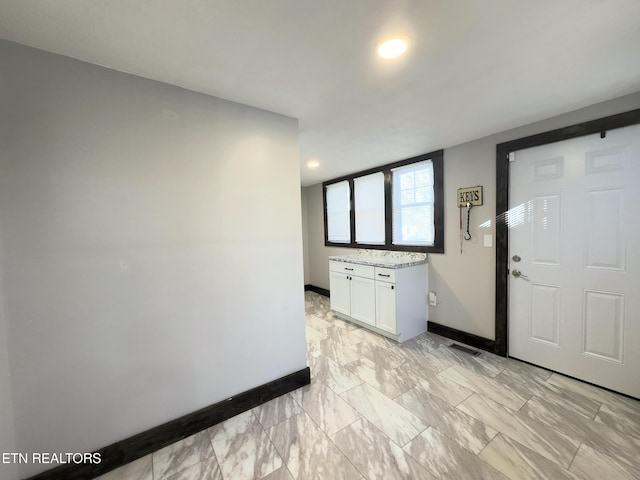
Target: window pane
{"points": [[407, 197], [369, 201], [406, 180], [338, 212], [413, 196], [415, 225], [423, 178], [424, 194]]}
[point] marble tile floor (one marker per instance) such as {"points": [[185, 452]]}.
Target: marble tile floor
{"points": [[379, 410]]}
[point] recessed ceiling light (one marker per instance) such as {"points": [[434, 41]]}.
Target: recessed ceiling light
{"points": [[313, 164], [392, 48]]}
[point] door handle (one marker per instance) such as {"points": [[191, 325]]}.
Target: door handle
{"points": [[519, 274]]}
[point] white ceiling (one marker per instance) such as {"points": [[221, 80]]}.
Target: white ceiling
{"points": [[475, 67]]}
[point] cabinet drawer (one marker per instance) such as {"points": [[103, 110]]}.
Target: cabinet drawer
{"points": [[366, 271], [386, 274]]}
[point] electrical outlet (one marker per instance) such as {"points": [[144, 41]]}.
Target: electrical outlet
{"points": [[488, 241]]}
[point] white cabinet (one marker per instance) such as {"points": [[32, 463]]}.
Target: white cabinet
{"points": [[340, 293], [353, 292], [389, 301], [386, 306], [363, 300]]}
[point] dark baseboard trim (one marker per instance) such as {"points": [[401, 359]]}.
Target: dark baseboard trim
{"points": [[132, 448], [462, 337], [313, 288]]}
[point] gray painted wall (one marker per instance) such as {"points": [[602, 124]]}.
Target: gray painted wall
{"points": [[7, 433], [464, 282], [305, 235], [153, 258]]}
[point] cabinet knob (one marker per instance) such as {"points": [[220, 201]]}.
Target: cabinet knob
{"points": [[392, 287]]}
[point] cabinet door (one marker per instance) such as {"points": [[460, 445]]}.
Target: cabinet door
{"points": [[363, 304], [340, 292], [386, 307]]}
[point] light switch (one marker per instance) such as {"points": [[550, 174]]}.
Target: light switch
{"points": [[433, 299], [488, 241]]}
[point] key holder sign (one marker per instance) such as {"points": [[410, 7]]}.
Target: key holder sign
{"points": [[472, 195], [468, 198]]}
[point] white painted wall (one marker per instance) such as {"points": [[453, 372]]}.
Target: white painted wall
{"points": [[153, 258], [464, 283]]}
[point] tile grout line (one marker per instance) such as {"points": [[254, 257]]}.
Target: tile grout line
{"points": [[419, 433], [389, 439], [319, 428], [264, 430], [285, 419], [488, 464], [461, 413], [525, 403], [331, 440], [462, 446], [488, 443], [284, 464], [574, 456], [346, 426], [435, 474], [597, 412], [208, 430], [286, 467], [511, 391], [345, 455], [525, 447]]}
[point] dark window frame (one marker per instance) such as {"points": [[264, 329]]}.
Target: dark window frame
{"points": [[437, 158]]}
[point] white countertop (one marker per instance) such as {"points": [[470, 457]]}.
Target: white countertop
{"points": [[381, 261]]}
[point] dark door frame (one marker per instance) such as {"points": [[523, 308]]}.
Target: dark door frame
{"points": [[503, 150]]}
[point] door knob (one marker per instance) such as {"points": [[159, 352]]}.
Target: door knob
{"points": [[518, 274]]}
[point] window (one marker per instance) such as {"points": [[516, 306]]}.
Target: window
{"points": [[394, 207], [338, 207], [412, 207], [369, 195]]}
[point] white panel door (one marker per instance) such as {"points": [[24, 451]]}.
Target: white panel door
{"points": [[574, 247], [386, 307], [340, 298], [363, 302]]}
